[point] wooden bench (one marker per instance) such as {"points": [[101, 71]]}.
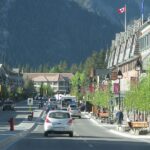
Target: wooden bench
{"points": [[138, 126], [104, 114]]}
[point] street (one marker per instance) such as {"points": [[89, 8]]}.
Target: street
{"points": [[87, 135]]}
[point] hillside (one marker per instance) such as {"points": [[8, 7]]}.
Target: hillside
{"points": [[46, 32]]}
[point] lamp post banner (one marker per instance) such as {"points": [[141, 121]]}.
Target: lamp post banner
{"points": [[116, 88], [91, 88]]}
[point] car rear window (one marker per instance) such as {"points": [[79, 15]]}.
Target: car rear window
{"points": [[73, 107], [65, 109], [59, 115]]}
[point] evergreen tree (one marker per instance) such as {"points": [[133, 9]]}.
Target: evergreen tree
{"points": [[74, 68]]}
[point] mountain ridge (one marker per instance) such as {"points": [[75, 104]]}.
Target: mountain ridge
{"points": [[50, 31]]}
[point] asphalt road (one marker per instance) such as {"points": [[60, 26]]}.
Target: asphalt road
{"points": [[87, 136]]}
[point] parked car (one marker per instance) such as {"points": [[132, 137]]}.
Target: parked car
{"points": [[58, 121], [74, 110], [8, 105]]}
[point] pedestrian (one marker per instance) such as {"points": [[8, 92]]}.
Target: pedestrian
{"points": [[119, 117], [129, 121]]}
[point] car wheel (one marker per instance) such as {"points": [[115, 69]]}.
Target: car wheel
{"points": [[46, 134], [71, 134], [79, 117]]}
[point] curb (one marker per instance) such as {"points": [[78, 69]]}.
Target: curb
{"points": [[143, 138]]}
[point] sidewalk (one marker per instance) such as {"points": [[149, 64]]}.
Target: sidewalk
{"points": [[113, 128], [20, 130]]}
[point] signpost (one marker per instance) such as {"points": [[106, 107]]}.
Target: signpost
{"points": [[30, 103]]}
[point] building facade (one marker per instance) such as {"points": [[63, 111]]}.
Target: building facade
{"points": [[10, 79], [129, 50], [59, 82]]}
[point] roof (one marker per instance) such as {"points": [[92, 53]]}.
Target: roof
{"points": [[48, 76], [52, 77], [39, 79]]}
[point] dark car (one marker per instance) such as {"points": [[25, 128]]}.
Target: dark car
{"points": [[8, 105]]}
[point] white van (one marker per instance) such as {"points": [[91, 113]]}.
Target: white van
{"points": [[67, 100]]}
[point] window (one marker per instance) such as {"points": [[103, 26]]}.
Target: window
{"points": [[66, 102], [130, 66], [59, 115], [61, 83], [55, 83], [73, 107], [148, 40]]}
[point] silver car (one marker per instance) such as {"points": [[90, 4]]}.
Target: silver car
{"points": [[58, 121], [74, 110]]}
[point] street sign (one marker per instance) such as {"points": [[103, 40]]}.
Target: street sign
{"points": [[30, 101]]}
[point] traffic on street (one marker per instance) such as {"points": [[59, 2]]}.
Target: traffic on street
{"points": [[86, 136], [86, 133]]}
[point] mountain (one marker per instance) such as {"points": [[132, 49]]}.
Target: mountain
{"points": [[38, 32], [108, 8]]}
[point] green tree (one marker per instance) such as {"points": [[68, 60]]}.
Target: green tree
{"points": [[74, 68], [96, 60], [40, 68], [76, 81], [63, 66], [138, 98], [46, 90], [45, 68], [50, 91], [29, 88], [101, 98], [54, 69], [26, 68]]}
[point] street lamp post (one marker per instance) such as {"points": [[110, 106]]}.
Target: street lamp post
{"points": [[109, 91], [119, 77], [79, 88], [108, 80]]}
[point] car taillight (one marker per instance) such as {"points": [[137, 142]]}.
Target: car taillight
{"points": [[70, 121], [47, 120]]}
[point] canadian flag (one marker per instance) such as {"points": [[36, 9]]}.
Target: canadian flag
{"points": [[122, 10]]}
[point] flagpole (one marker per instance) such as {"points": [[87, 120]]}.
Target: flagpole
{"points": [[142, 11], [142, 18], [125, 18]]}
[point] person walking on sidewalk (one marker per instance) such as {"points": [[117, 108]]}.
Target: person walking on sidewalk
{"points": [[119, 117], [129, 121]]}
